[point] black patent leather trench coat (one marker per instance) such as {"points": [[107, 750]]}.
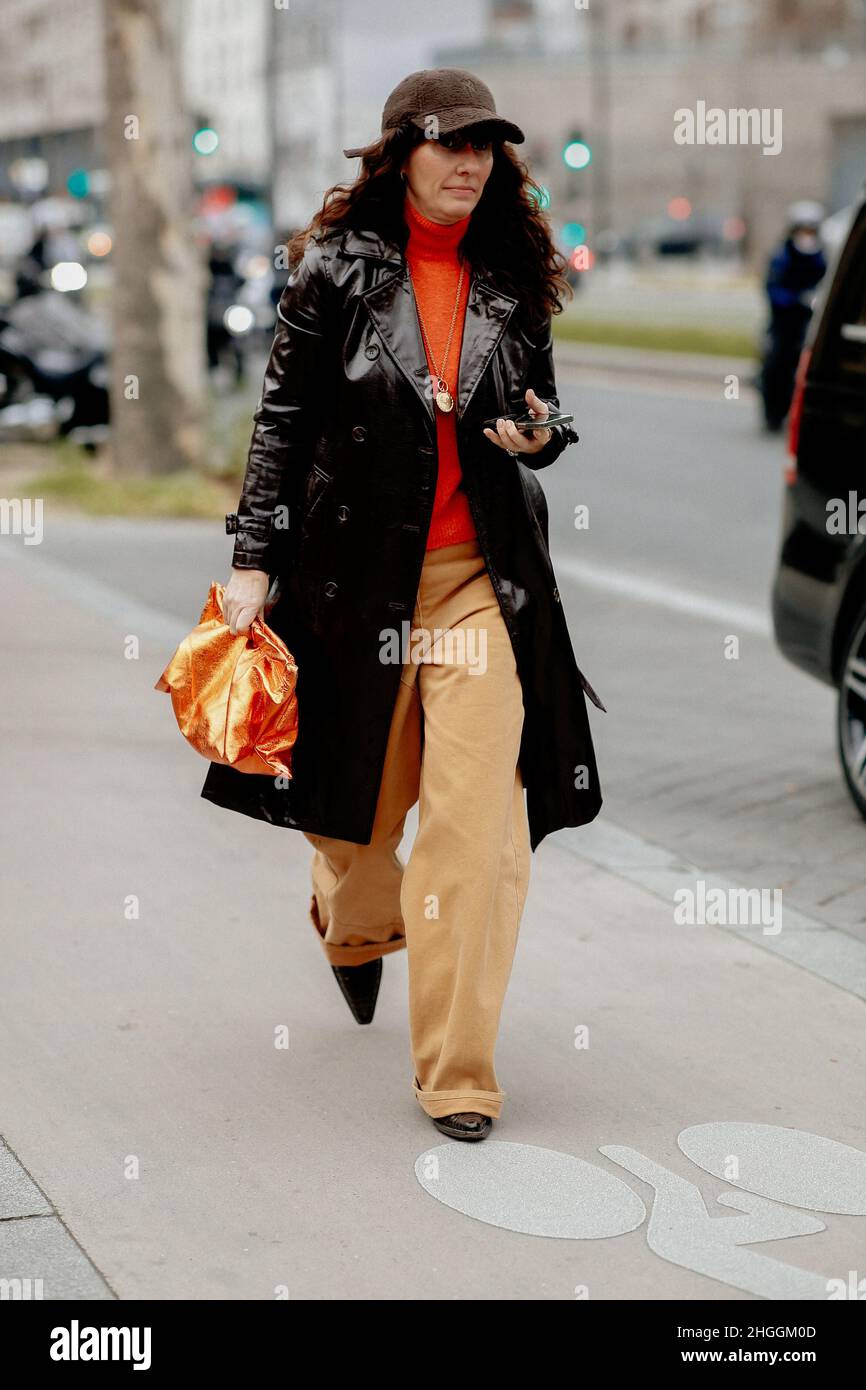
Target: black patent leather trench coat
{"points": [[344, 451]]}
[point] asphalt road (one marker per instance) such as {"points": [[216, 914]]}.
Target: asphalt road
{"points": [[730, 762]]}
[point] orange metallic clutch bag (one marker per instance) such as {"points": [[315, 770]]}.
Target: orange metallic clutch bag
{"points": [[234, 694]]}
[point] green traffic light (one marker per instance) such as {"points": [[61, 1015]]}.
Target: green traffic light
{"points": [[205, 141], [573, 234], [78, 183], [577, 154]]}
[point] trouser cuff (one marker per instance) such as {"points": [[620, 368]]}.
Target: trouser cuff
{"points": [[367, 950], [439, 1103]]}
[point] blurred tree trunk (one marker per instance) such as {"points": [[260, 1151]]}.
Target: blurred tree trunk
{"points": [[158, 318]]}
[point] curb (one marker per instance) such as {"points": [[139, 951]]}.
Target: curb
{"points": [[684, 366]]}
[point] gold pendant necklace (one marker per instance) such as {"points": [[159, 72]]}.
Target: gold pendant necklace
{"points": [[443, 397]]}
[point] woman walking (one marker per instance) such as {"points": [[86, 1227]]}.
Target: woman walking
{"points": [[408, 541]]}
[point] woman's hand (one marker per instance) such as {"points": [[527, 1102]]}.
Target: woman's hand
{"points": [[244, 597], [507, 436]]}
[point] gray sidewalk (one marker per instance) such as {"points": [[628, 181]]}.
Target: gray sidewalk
{"points": [[165, 1145]]}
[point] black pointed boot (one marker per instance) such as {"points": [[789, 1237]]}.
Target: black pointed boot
{"points": [[360, 987]]}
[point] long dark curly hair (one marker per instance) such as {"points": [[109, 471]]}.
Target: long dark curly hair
{"points": [[508, 238]]}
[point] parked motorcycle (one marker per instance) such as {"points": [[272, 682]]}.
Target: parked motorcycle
{"points": [[54, 377]]}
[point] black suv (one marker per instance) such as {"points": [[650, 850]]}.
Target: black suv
{"points": [[819, 592]]}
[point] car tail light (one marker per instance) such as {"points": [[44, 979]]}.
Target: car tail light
{"points": [[796, 414]]}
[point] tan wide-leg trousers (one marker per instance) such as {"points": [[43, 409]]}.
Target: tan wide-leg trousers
{"points": [[456, 904]]}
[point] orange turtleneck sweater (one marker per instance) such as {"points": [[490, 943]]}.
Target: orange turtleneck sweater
{"points": [[432, 255]]}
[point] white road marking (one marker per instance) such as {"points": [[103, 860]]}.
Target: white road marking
{"points": [[737, 617], [98, 597]]}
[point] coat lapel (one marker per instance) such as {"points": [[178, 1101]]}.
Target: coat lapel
{"points": [[391, 306], [487, 313]]}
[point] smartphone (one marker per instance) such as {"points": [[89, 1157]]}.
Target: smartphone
{"points": [[526, 424]]}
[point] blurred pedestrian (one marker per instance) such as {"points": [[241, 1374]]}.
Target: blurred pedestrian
{"points": [[223, 289], [795, 269]]}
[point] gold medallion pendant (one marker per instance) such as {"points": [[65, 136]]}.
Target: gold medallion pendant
{"points": [[442, 396]]}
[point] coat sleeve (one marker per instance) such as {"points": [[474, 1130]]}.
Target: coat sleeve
{"points": [[283, 428], [541, 377]]}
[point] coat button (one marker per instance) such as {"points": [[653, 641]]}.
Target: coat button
{"points": [[343, 513], [330, 588], [371, 351], [556, 596], [425, 452], [359, 433]]}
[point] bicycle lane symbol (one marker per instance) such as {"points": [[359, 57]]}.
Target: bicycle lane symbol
{"points": [[539, 1191]]}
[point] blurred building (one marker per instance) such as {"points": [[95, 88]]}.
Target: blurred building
{"points": [[534, 26], [273, 81], [629, 66], [262, 77], [307, 107], [50, 89], [225, 69], [799, 25]]}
